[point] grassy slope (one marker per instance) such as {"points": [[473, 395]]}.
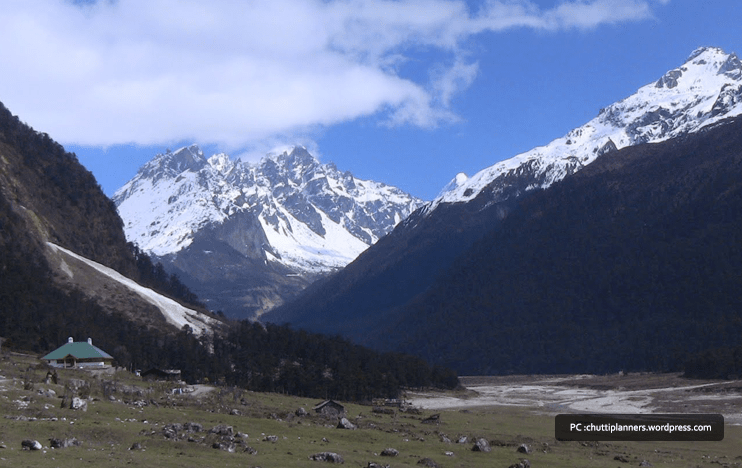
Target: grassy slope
{"points": [[108, 429]]}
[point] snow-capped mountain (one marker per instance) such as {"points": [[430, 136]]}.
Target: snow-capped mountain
{"points": [[705, 89], [287, 211]]}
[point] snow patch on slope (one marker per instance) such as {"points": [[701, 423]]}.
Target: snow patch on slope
{"points": [[175, 313]]}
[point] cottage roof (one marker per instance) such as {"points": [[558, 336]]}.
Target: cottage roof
{"points": [[328, 403], [78, 350]]}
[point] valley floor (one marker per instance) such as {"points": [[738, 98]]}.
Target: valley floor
{"points": [[131, 422]]}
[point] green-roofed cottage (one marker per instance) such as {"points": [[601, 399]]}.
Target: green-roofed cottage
{"points": [[78, 354]]}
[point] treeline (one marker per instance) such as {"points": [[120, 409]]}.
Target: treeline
{"points": [[716, 363], [278, 359], [153, 275]]}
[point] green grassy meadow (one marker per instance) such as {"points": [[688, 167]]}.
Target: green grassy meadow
{"points": [[124, 411]]}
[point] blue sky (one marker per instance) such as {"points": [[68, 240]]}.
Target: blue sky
{"points": [[407, 92]]}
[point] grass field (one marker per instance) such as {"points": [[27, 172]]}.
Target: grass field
{"points": [[124, 411]]}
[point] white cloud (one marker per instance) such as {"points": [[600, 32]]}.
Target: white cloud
{"points": [[234, 72]]}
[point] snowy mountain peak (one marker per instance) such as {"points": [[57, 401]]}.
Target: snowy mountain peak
{"points": [[310, 216], [221, 163], [704, 90]]}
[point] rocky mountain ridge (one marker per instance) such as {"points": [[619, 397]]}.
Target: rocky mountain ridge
{"points": [[704, 90], [287, 219]]}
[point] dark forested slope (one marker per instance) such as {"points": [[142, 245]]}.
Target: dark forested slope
{"points": [[630, 263]]}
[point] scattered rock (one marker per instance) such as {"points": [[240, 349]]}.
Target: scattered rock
{"points": [[48, 393], [645, 463], [523, 463], [524, 448], [481, 445], [226, 446], [222, 430], [270, 438], [136, 446], [428, 462], [389, 452], [345, 424], [621, 458], [444, 438], [29, 444], [251, 451], [376, 465], [79, 404], [462, 440], [64, 443], [235, 412], [449, 454], [301, 412], [330, 457], [193, 427], [434, 419]]}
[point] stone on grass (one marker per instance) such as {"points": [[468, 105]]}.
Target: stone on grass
{"points": [[345, 424], [523, 463], [481, 445], [79, 404], [428, 462], [524, 448], [226, 446], [29, 444], [389, 452], [330, 457], [223, 430], [64, 443]]}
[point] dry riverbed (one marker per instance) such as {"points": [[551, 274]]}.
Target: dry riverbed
{"points": [[629, 393]]}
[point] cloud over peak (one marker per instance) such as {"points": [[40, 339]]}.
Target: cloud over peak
{"points": [[232, 73]]}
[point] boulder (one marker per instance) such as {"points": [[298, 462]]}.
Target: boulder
{"points": [[389, 452], [29, 444], [330, 457], [226, 446], [193, 427], [481, 445], [524, 448], [64, 443], [523, 463], [79, 404], [301, 412], [345, 424], [428, 463], [223, 430]]}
